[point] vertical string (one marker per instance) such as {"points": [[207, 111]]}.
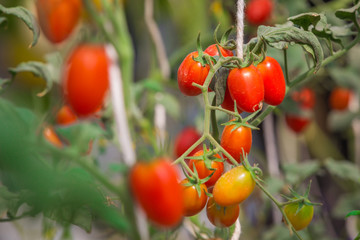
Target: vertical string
{"points": [[240, 28]]}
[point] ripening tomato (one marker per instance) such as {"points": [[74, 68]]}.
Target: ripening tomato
{"points": [[193, 203], [235, 141], [305, 97], [340, 98], [233, 187], [213, 51], [86, 79], [246, 87], [155, 186], [222, 216], [51, 136], [300, 219], [58, 18], [203, 171], [297, 123], [274, 81], [257, 12], [189, 72], [185, 139], [65, 116]]}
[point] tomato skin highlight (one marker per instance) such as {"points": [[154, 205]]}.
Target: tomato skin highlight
{"points": [[233, 187], [246, 87], [274, 81], [155, 186], [65, 116], [204, 172], [190, 72], [301, 219], [86, 79], [193, 204], [297, 123], [340, 98], [58, 18], [257, 12], [236, 141], [185, 139], [222, 216]]}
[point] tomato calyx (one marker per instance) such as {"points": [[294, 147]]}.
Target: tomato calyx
{"points": [[201, 56], [302, 200], [224, 41], [196, 181], [255, 171]]}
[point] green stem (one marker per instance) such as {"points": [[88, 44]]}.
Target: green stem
{"points": [[17, 217], [215, 129], [225, 111], [286, 68]]}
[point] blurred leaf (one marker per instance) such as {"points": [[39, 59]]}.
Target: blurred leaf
{"points": [[345, 77], [218, 84], [343, 31], [298, 172], [346, 203], [305, 20], [3, 20], [353, 213], [348, 13], [343, 169], [7, 199], [277, 232], [39, 69], [3, 82], [274, 185], [340, 120], [118, 167], [322, 29], [171, 105], [281, 37], [26, 16]]}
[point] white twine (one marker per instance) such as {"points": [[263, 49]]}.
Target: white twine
{"points": [[240, 28], [117, 97], [237, 231]]}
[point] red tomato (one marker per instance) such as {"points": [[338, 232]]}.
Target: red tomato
{"points": [[222, 216], [58, 18], [51, 136], [235, 141], [86, 79], [233, 187], [297, 123], [191, 72], [155, 186], [213, 51], [246, 87], [185, 139], [204, 172], [257, 12], [340, 98], [300, 219], [65, 116], [305, 97], [193, 203], [274, 81]]}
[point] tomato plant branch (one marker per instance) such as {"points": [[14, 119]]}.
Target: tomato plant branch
{"points": [[286, 67], [214, 127], [25, 214]]}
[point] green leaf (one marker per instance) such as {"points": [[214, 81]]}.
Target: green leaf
{"points": [[323, 30], [26, 17], [218, 84], [348, 13], [7, 199], [281, 37], [353, 213], [343, 169], [340, 120], [305, 20], [171, 105], [118, 167], [298, 172], [39, 69], [345, 77], [3, 20]]}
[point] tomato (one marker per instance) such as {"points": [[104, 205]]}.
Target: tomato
{"points": [[65, 116], [51, 136], [233, 187], [297, 123], [58, 18], [305, 97], [257, 12], [222, 216], [213, 51], [300, 219], [98, 4], [236, 141], [340, 98], [189, 72], [185, 139], [156, 188], [274, 81], [203, 171], [86, 79], [193, 204], [246, 87]]}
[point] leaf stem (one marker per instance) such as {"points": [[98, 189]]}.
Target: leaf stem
{"points": [[286, 68]]}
